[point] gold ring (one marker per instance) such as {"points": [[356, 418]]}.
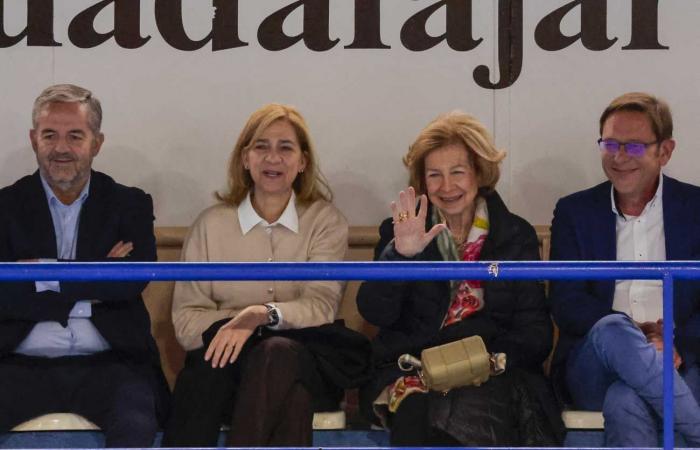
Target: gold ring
{"points": [[403, 216]]}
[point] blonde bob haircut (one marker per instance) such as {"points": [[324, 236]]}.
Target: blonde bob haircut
{"points": [[309, 185], [459, 128]]}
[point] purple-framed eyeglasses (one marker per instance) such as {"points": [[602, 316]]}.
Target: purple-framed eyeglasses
{"points": [[634, 149]]}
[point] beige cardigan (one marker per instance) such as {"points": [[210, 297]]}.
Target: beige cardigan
{"points": [[216, 236]]}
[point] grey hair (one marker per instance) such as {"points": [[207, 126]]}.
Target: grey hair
{"points": [[70, 93]]}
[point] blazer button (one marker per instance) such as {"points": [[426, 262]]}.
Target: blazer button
{"points": [[270, 290]]}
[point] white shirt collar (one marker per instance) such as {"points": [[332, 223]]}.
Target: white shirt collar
{"points": [[249, 218], [657, 196]]}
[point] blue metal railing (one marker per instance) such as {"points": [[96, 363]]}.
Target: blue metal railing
{"points": [[521, 270]]}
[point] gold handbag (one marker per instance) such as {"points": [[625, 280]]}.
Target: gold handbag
{"points": [[461, 363]]}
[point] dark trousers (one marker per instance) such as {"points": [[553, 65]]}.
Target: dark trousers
{"points": [[100, 387], [263, 393]]}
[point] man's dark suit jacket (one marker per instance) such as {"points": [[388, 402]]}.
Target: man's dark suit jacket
{"points": [[584, 229], [111, 213]]}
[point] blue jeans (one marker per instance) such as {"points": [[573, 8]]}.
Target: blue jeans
{"points": [[615, 370]]}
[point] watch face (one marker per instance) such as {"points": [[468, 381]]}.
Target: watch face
{"points": [[273, 317]]}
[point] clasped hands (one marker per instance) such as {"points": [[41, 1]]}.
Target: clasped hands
{"points": [[654, 332], [410, 237]]}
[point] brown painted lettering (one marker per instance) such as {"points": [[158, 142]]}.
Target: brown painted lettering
{"points": [[127, 25], [645, 26], [458, 27], [593, 33], [39, 29], [510, 47], [315, 33], [367, 25]]}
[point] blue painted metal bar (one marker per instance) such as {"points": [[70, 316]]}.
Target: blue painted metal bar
{"points": [[668, 361], [216, 271], [523, 270]]}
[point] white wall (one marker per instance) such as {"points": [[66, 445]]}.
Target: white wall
{"points": [[171, 117]]}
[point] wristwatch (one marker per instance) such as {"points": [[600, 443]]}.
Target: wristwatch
{"points": [[273, 315]]}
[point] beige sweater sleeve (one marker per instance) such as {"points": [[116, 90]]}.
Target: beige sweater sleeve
{"points": [[319, 301], [194, 308]]}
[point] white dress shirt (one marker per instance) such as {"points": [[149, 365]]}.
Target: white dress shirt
{"points": [[640, 238], [50, 339]]}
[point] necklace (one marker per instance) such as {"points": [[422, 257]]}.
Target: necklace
{"points": [[461, 246], [460, 240]]}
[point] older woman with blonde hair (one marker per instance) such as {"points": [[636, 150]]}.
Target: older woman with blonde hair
{"points": [[452, 212], [237, 370]]}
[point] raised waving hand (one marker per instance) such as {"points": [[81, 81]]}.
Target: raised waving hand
{"points": [[410, 237]]}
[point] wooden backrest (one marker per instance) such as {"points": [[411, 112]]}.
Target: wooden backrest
{"points": [[158, 295]]}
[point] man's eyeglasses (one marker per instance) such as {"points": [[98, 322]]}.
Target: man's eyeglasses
{"points": [[635, 149]]}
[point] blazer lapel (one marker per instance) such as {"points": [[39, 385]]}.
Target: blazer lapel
{"points": [[39, 219], [676, 227], [93, 214], [604, 235]]}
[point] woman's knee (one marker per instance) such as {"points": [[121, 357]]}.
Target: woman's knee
{"points": [[277, 344], [280, 354], [199, 375]]}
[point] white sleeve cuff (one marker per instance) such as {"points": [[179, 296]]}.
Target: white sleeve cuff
{"points": [[81, 309], [42, 286]]}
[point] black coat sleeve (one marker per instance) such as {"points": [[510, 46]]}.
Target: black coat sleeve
{"points": [[380, 302], [19, 299], [128, 217], [135, 224], [527, 340]]}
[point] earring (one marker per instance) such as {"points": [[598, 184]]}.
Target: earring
{"points": [[245, 166], [301, 170]]}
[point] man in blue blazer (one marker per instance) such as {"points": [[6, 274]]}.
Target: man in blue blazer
{"points": [[609, 353], [84, 348]]}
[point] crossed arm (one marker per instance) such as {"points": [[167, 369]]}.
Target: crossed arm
{"points": [[132, 240]]}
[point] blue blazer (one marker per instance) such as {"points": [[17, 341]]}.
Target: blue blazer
{"points": [[583, 228]]}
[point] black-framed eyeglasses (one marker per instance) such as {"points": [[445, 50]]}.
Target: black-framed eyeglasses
{"points": [[634, 149]]}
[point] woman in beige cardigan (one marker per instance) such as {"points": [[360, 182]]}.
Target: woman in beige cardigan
{"points": [[277, 208]]}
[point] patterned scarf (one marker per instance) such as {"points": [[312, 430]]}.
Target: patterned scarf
{"points": [[467, 295]]}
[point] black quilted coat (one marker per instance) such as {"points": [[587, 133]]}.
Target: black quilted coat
{"points": [[514, 409]]}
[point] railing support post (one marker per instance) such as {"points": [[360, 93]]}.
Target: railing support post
{"points": [[668, 360]]}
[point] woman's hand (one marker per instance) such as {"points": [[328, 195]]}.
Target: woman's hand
{"points": [[229, 340], [410, 237]]}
